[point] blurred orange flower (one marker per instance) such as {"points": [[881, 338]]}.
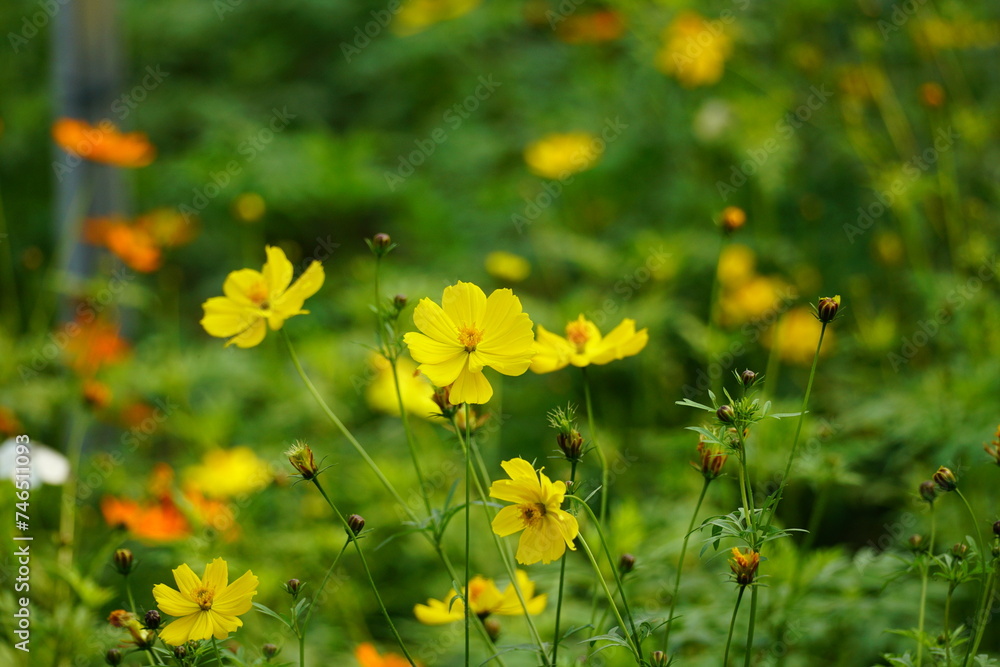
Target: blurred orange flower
{"points": [[9, 423], [368, 656], [138, 244], [103, 143], [96, 393], [95, 344], [160, 520], [593, 27]]}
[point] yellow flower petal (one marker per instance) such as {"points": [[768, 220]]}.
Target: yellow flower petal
{"points": [[469, 387], [187, 581], [520, 470], [223, 625], [179, 631], [251, 337], [435, 323], [552, 351], [436, 612], [203, 627], [507, 521], [216, 576], [237, 597], [277, 270], [464, 303], [172, 602], [225, 318], [246, 287], [623, 341], [290, 302]]}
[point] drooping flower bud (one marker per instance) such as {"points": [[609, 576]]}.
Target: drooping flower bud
{"points": [[113, 657], [152, 619], [269, 651], [300, 455], [442, 399], [492, 626], [626, 563], [124, 561], [928, 491], [726, 414], [356, 523], [945, 479], [827, 308]]}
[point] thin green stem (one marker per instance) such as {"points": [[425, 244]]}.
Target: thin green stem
{"points": [[368, 572], [468, 533], [504, 555], [218, 654], [732, 624], [604, 475], [798, 427], [322, 584], [981, 618], [131, 600], [750, 628], [302, 649], [924, 574], [611, 598], [680, 566], [980, 544], [947, 625], [562, 579], [410, 440], [614, 570]]}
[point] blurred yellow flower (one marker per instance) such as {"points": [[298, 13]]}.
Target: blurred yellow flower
{"points": [[562, 155], [206, 607], [485, 599], [796, 335], [224, 473], [752, 299], [737, 263], [417, 392], [466, 333], [254, 298], [417, 15], [249, 207], [507, 266], [694, 50], [584, 345], [548, 529]]}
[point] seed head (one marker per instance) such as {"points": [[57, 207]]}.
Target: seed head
{"points": [[300, 455]]}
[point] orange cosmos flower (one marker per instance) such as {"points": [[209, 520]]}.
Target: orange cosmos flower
{"points": [[159, 521], [103, 143], [93, 345], [591, 28], [368, 656]]}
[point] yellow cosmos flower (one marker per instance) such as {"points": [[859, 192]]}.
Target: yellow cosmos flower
{"points": [[507, 266], [206, 607], [466, 333], [224, 473], [548, 529], [417, 392], [485, 599], [795, 337], [584, 345], [562, 155], [694, 50], [418, 15], [255, 298]]}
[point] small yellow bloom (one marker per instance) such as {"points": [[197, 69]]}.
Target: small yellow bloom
{"points": [[417, 392], [744, 565], [796, 334], [485, 599], [694, 50], [561, 155], [255, 298], [418, 15], [548, 529], [507, 266], [224, 473], [466, 333], [584, 345], [206, 607]]}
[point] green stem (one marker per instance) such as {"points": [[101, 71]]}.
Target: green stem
{"points": [[218, 654], [947, 624], [468, 514], [131, 600], [980, 544], [750, 628], [322, 585], [604, 475], [302, 649], [368, 573], [798, 427], [504, 555], [981, 618], [614, 570], [410, 440], [924, 573], [680, 566], [611, 598], [562, 580], [732, 624], [433, 540]]}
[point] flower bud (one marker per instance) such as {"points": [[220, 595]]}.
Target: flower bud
{"points": [[442, 399], [626, 563], [659, 659], [571, 444], [945, 479], [726, 414], [712, 460], [120, 618], [960, 551], [300, 455], [399, 302], [124, 561], [292, 587], [269, 651], [827, 309], [152, 619], [748, 377], [380, 244], [113, 657], [996, 529], [492, 626], [568, 437], [744, 565], [928, 491], [180, 652], [916, 542], [356, 523], [732, 218], [993, 449]]}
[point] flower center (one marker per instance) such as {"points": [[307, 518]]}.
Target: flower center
{"points": [[576, 333], [470, 337], [203, 596], [258, 294], [532, 513]]}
